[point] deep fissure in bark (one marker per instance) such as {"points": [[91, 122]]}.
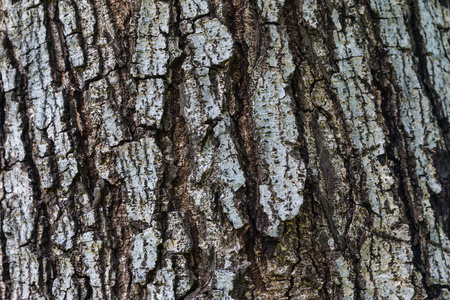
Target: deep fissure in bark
{"points": [[398, 152], [301, 45], [440, 202], [240, 106]]}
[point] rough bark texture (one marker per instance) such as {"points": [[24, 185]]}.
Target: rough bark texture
{"points": [[224, 149]]}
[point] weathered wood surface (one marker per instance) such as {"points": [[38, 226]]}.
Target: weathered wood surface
{"points": [[224, 149]]}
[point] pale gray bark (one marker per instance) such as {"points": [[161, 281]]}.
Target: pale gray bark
{"points": [[224, 149]]}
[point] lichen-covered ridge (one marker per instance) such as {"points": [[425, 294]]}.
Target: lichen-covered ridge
{"points": [[224, 149]]}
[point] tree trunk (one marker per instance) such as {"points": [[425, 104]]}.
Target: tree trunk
{"points": [[225, 149]]}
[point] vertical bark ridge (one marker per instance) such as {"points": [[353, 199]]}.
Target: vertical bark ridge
{"points": [[210, 149], [322, 69], [439, 202], [5, 276], [240, 110], [397, 147]]}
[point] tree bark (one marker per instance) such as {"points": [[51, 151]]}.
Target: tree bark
{"points": [[224, 149]]}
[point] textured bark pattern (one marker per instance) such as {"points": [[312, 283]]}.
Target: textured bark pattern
{"points": [[225, 149]]}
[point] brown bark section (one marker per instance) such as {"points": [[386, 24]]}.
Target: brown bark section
{"points": [[108, 222]]}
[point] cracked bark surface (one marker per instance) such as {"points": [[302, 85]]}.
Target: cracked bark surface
{"points": [[224, 149]]}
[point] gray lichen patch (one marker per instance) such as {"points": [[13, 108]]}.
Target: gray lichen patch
{"points": [[270, 9], [139, 165], [223, 284], [148, 101], [145, 253], [93, 267], [211, 42], [14, 149], [277, 133], [193, 8], [106, 121], [19, 205], [178, 239], [151, 53], [217, 166], [423, 107]]}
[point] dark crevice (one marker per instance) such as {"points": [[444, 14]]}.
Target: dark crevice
{"points": [[79, 30], [42, 244], [50, 14], [104, 236], [74, 109], [240, 108], [445, 3], [84, 287], [290, 290], [80, 131], [420, 52], [3, 162], [95, 37], [121, 44], [33, 174], [301, 43], [399, 154], [119, 236], [440, 202], [174, 141]]}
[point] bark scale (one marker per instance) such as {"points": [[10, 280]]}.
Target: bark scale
{"points": [[224, 149]]}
